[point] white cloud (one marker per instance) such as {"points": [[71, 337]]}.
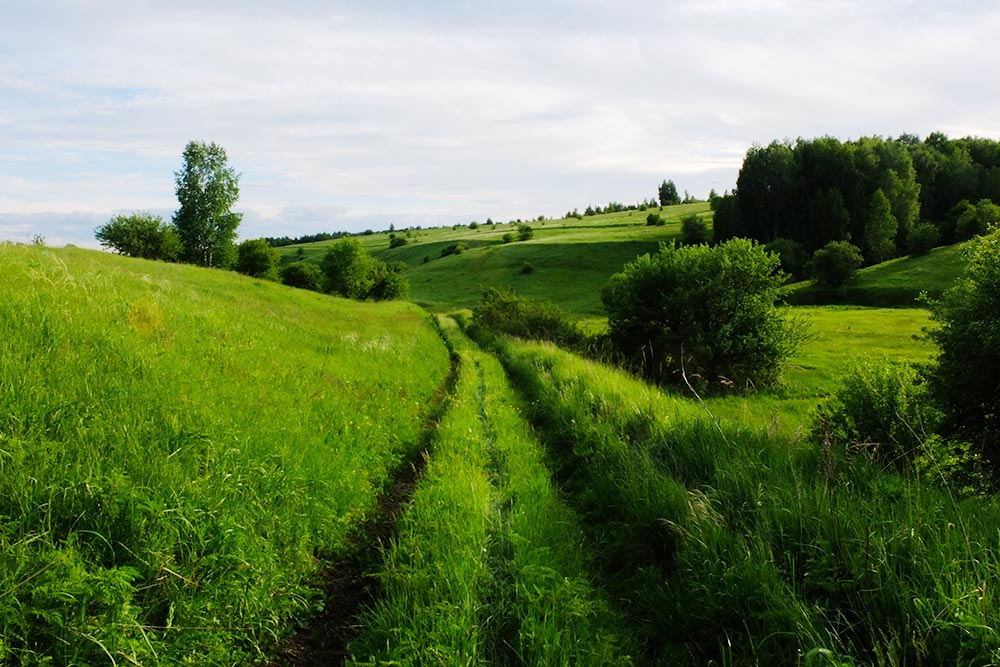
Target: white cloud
{"points": [[453, 111]]}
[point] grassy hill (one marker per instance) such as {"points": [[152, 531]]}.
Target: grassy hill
{"points": [[182, 448], [570, 260], [896, 283]]}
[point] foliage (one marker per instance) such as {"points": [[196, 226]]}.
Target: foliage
{"points": [[508, 238], [397, 242], [922, 238], [655, 220], [709, 312], [878, 409], [694, 230], [453, 249], [524, 232], [880, 230], [257, 258], [835, 264], [502, 311], [964, 379], [352, 273], [976, 219], [142, 235], [792, 256], [304, 275], [668, 194], [207, 188]]}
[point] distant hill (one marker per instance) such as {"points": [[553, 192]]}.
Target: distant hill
{"points": [[566, 261]]}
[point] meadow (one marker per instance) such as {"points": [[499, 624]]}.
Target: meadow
{"points": [[186, 453], [182, 449]]}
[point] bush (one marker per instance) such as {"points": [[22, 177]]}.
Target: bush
{"points": [[922, 238], [880, 409], [835, 264], [708, 311], [502, 311], [256, 258], [524, 232], [303, 275], [397, 242], [508, 238], [654, 220], [792, 256], [694, 230], [976, 219], [453, 249], [473, 225], [527, 268], [137, 235], [964, 379], [350, 272]]}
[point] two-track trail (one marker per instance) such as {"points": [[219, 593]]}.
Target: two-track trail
{"points": [[487, 565]]}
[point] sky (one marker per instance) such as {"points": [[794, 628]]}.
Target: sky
{"points": [[353, 115]]}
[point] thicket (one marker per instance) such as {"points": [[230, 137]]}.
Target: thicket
{"points": [[504, 312], [352, 273], [821, 190], [705, 312], [140, 234], [304, 275]]}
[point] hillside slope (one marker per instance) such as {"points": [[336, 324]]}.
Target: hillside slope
{"points": [[181, 448]]}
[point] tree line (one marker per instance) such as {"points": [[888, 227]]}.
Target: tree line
{"points": [[203, 232], [887, 197]]}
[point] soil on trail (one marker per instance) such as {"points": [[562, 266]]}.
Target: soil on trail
{"points": [[348, 588]]}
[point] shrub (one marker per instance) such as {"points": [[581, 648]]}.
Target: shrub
{"points": [[508, 238], [792, 256], [453, 249], [256, 258], [527, 268], [922, 238], [880, 409], [964, 378], [303, 275], [352, 273], [524, 232], [835, 264], [397, 242], [501, 311], [388, 282], [694, 230], [473, 225], [976, 219], [708, 311], [137, 235], [654, 220]]}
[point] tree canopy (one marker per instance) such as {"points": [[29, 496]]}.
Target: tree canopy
{"points": [[207, 188], [140, 234]]}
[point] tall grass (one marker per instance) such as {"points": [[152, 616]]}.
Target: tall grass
{"points": [[180, 448], [488, 567], [728, 546]]}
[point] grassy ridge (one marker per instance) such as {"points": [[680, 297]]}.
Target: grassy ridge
{"points": [[487, 568], [735, 547], [177, 446], [571, 259]]}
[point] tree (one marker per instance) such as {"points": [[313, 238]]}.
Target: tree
{"points": [[976, 219], [709, 311], [836, 263], [668, 194], [255, 257], [964, 379], [694, 230], [207, 189], [303, 275], [352, 273], [880, 230], [140, 234]]}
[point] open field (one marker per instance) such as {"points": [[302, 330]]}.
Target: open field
{"points": [[181, 449]]}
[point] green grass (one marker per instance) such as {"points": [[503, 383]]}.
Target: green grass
{"points": [[729, 546], [486, 567], [896, 283], [180, 449], [573, 259], [840, 336]]}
